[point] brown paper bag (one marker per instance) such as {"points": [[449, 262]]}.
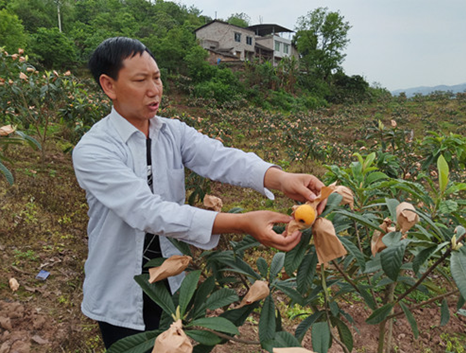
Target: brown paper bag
{"points": [[292, 350], [172, 266], [6, 130], [213, 203], [328, 246], [377, 245], [324, 194], [406, 217], [14, 285], [174, 340], [348, 197], [258, 291]]}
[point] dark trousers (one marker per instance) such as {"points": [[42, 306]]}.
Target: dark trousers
{"points": [[152, 313]]}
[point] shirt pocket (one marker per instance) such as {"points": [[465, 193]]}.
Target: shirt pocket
{"points": [[172, 185]]}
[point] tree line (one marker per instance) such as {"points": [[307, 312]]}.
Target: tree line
{"points": [[61, 34]]}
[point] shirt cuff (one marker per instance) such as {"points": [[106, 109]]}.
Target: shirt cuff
{"points": [[262, 189], [201, 230]]}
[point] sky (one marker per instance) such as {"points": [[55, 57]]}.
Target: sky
{"points": [[395, 44]]}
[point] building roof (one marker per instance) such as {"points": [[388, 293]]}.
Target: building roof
{"points": [[222, 22], [263, 47], [265, 29]]}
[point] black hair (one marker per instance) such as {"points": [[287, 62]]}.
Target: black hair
{"points": [[108, 57]]}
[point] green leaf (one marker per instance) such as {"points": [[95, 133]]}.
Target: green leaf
{"points": [[294, 295], [218, 323], [392, 259], [373, 265], [333, 202], [204, 337], [267, 323], [268, 345], [391, 205], [361, 219], [239, 316], [236, 210], [276, 266], [220, 298], [181, 246], [369, 160], [202, 348], [239, 266], [443, 172], [158, 292], [345, 333], [285, 339], [306, 324], [392, 238], [448, 206], [246, 242], [460, 302], [380, 314], [262, 266], [353, 250], [458, 269], [295, 256], [6, 173], [278, 321], [424, 255], [444, 313], [360, 159], [138, 343], [373, 177], [187, 289], [426, 218], [369, 300], [31, 141], [411, 320], [306, 272], [156, 262], [320, 335], [334, 308], [460, 231], [203, 291]]}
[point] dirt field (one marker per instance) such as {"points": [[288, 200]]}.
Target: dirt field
{"points": [[43, 227]]}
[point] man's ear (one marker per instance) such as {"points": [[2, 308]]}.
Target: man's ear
{"points": [[107, 84]]}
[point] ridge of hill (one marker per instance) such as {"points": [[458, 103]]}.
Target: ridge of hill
{"points": [[425, 90]]}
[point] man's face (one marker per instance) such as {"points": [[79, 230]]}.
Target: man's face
{"points": [[137, 92]]}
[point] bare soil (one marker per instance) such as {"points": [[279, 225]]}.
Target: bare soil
{"points": [[43, 227]]}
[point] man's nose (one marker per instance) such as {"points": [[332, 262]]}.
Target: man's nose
{"points": [[154, 89]]}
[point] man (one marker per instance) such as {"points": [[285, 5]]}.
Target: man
{"points": [[131, 165]]}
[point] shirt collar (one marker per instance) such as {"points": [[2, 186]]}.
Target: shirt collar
{"points": [[125, 129]]}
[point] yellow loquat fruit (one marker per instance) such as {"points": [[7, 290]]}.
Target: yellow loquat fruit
{"points": [[305, 214]]}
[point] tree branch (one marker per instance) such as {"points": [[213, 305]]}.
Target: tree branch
{"points": [[427, 302], [427, 273]]}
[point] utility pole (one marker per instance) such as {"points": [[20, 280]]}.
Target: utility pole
{"points": [[59, 15]]}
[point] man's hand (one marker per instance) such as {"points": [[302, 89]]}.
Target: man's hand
{"points": [[299, 187], [259, 224]]}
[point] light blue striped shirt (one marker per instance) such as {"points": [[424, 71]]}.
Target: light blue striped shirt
{"points": [[110, 165]]}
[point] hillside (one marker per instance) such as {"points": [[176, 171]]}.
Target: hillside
{"points": [[43, 222]]}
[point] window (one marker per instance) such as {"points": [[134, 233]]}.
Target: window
{"points": [[237, 37], [248, 40], [286, 48], [277, 46]]}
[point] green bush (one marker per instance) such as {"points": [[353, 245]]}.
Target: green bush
{"points": [[52, 49], [12, 34], [380, 281]]}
